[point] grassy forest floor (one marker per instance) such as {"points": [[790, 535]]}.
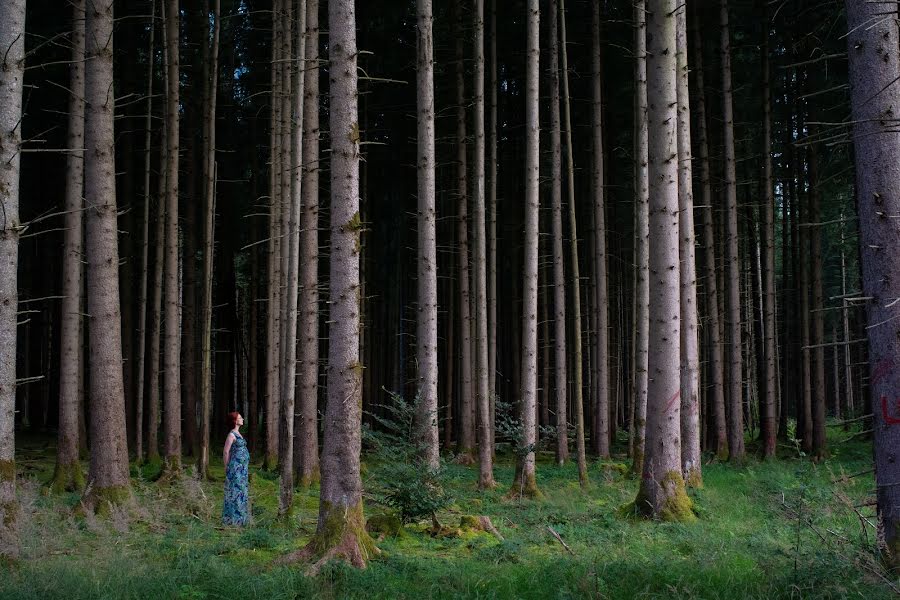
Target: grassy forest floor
{"points": [[782, 529]]}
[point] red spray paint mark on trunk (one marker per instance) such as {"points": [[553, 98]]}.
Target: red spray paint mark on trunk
{"points": [[672, 400], [888, 418]]}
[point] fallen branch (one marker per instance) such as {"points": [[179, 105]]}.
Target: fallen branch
{"points": [[560, 540]]}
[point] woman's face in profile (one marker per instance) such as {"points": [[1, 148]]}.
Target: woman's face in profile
{"points": [[240, 420]]}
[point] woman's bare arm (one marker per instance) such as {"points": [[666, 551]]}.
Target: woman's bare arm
{"points": [[228, 441]]}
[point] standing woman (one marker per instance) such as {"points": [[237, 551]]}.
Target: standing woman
{"points": [[236, 509]]}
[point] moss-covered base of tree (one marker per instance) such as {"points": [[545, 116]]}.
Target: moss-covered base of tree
{"points": [[665, 500], [722, 454], [270, 463], [305, 480], [465, 456], [171, 470], [481, 523], [100, 500], [9, 512], [341, 535], [486, 481], [67, 478], [637, 463], [693, 478], [524, 486], [7, 470]]}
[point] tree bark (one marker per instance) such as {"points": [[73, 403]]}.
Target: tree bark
{"points": [[68, 475], [818, 315], [492, 223], [108, 477]]}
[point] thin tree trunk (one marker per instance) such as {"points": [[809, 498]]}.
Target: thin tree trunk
{"points": [[845, 323], [308, 467], [524, 483], [735, 359], [172, 354], [804, 416], [872, 44], [642, 241], [818, 315], [690, 350], [602, 426], [559, 276], [12, 72], [68, 475], [492, 222], [662, 492], [573, 249], [108, 477]]}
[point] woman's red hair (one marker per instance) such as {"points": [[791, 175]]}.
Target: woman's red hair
{"points": [[231, 418]]}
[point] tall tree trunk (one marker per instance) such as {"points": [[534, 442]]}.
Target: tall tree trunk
{"points": [[845, 324], [769, 402], [559, 276], [642, 240], [818, 315], [662, 492], [341, 528], [804, 413], [690, 350], [108, 477], [872, 44], [211, 85], [602, 427], [12, 72], [308, 382], [524, 483], [733, 310], [68, 475], [466, 444], [172, 354], [573, 250], [492, 222], [426, 277]]}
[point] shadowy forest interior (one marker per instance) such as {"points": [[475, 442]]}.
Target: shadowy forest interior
{"points": [[516, 299]]}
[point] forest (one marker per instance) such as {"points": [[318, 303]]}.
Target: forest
{"points": [[449, 298]]}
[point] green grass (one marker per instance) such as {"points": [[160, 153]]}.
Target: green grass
{"points": [[747, 543]]}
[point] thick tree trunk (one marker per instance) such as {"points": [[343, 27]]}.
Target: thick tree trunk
{"points": [[733, 310], [172, 354], [662, 493], [308, 361], [642, 241], [690, 350], [559, 276], [492, 222], [12, 72], [108, 477], [524, 483], [602, 426], [68, 475], [573, 251], [482, 384], [872, 45]]}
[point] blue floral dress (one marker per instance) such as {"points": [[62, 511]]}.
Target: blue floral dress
{"points": [[236, 509]]}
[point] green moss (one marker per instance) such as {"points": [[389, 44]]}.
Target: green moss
{"points": [[67, 478], [694, 478], [101, 499], [7, 470], [8, 512], [389, 525], [270, 463], [677, 505], [722, 454], [524, 489], [309, 479], [355, 223], [637, 462], [469, 522]]}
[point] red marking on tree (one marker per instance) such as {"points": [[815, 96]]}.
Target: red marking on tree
{"points": [[671, 400], [888, 418], [882, 370]]}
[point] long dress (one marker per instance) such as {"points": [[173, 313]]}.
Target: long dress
{"points": [[236, 509]]}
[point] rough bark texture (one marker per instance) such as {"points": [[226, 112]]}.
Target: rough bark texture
{"points": [[690, 343], [108, 476], [642, 240], [492, 221], [308, 360], [817, 309], [559, 275], [482, 386], [524, 483], [577, 384], [875, 96], [12, 71], [68, 475], [662, 493], [172, 354], [602, 438], [733, 309]]}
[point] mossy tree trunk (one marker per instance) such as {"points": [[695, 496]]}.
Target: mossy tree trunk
{"points": [[68, 475], [108, 477], [662, 493]]}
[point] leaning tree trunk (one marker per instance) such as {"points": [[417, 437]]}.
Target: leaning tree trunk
{"points": [[559, 276], [642, 235], [690, 351], [209, 222], [602, 436], [573, 250], [12, 72], [68, 475], [426, 277], [108, 477], [872, 45], [524, 483], [662, 494], [733, 310], [172, 354], [308, 360], [482, 387], [341, 529]]}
